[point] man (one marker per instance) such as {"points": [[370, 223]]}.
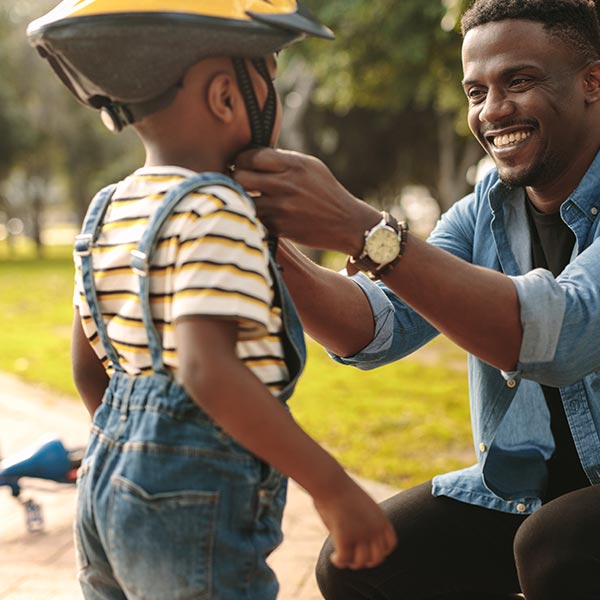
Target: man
{"points": [[512, 274]]}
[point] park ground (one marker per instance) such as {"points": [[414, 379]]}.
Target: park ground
{"points": [[392, 428]]}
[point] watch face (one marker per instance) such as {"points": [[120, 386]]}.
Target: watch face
{"points": [[382, 245]]}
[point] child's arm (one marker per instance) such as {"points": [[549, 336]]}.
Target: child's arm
{"points": [[230, 393], [88, 372]]}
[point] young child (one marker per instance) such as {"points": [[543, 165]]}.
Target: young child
{"points": [[185, 342]]}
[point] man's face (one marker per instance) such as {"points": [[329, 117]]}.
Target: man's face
{"points": [[526, 102]]}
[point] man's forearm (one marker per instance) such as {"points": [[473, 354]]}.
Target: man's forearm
{"points": [[333, 309], [475, 307]]}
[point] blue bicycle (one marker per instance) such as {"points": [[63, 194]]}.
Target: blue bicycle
{"points": [[47, 459]]}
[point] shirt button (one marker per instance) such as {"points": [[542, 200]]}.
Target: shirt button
{"points": [[511, 383], [521, 507], [482, 447], [594, 211]]}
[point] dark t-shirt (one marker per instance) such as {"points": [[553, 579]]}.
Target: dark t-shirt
{"points": [[552, 244]]}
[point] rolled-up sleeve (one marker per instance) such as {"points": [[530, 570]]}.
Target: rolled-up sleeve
{"points": [[542, 302], [399, 330], [372, 355], [561, 321]]}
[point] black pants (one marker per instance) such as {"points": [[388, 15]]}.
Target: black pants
{"points": [[448, 550]]}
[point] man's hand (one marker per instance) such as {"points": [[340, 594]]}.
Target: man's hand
{"points": [[299, 198]]}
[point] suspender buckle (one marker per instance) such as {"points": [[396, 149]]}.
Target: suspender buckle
{"points": [[83, 244], [139, 263]]}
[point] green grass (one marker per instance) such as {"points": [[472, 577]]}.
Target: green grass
{"points": [[36, 307], [400, 424]]}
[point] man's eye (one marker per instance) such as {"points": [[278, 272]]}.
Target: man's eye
{"points": [[475, 94], [520, 82]]}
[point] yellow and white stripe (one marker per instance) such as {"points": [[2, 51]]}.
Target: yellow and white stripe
{"points": [[211, 259]]}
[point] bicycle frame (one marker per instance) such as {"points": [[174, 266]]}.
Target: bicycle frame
{"points": [[47, 459]]}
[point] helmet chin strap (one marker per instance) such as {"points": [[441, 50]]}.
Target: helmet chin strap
{"points": [[116, 115], [262, 120]]}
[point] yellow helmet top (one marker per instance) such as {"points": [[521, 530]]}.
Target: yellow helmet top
{"points": [[234, 9], [132, 51]]}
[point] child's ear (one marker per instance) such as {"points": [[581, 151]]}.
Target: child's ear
{"points": [[221, 97]]}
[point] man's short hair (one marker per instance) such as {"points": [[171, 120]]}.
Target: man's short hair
{"points": [[575, 22]]}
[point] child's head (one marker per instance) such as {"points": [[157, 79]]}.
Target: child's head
{"points": [[142, 61], [207, 123]]}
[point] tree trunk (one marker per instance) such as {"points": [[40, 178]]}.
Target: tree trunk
{"points": [[453, 164]]}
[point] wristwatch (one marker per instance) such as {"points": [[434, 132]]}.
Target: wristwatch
{"points": [[383, 246]]}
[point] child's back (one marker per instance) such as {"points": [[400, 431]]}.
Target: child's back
{"points": [[210, 259], [185, 342]]}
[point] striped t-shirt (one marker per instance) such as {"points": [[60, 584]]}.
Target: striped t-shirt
{"points": [[211, 259]]}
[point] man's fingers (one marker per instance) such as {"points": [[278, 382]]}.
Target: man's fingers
{"points": [[249, 180], [252, 181], [263, 159]]}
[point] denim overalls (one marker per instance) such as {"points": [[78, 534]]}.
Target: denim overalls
{"points": [[169, 506]]}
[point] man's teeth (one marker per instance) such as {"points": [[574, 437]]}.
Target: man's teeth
{"points": [[512, 138]]}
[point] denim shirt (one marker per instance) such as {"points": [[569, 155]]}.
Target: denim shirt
{"points": [[560, 347]]}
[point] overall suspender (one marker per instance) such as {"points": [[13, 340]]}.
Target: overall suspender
{"points": [[84, 243], [141, 259]]}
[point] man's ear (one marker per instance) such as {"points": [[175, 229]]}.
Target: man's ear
{"points": [[591, 82], [221, 97]]}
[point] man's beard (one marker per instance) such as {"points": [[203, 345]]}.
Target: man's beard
{"points": [[541, 171]]}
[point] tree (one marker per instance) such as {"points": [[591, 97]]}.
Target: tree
{"points": [[51, 146], [389, 90], [382, 105]]}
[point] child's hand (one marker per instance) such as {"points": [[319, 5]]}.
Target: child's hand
{"points": [[361, 534]]}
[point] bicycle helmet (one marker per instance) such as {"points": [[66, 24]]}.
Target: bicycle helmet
{"points": [[152, 43]]}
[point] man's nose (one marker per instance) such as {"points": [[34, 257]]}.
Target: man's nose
{"points": [[496, 107]]}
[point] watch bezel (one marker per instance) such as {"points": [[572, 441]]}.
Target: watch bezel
{"points": [[365, 263], [386, 233]]}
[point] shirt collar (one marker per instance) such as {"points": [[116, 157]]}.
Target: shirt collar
{"points": [[586, 195]]}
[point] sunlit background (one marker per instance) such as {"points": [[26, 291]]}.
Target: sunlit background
{"points": [[382, 105]]}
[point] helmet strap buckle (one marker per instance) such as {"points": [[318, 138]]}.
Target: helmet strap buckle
{"points": [[115, 116]]}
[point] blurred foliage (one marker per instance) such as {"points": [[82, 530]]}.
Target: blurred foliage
{"points": [[387, 91], [383, 107], [389, 55], [36, 304], [45, 134]]}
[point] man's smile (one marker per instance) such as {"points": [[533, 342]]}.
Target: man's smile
{"points": [[509, 139]]}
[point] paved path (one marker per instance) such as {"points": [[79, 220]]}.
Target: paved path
{"points": [[40, 566]]}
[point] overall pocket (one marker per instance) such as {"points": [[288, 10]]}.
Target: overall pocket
{"points": [[81, 556], [161, 545], [271, 496]]}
